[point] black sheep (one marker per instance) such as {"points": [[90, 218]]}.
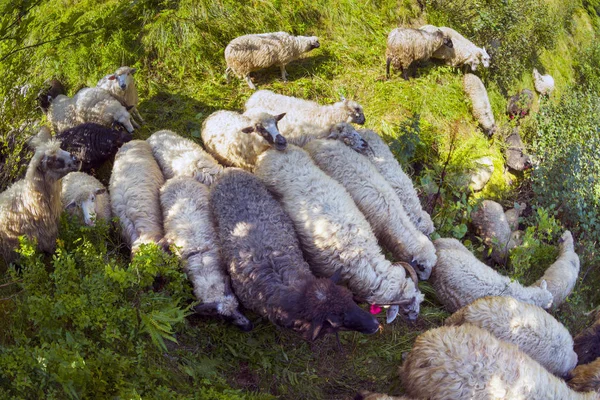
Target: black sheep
{"points": [[587, 344], [52, 89]]}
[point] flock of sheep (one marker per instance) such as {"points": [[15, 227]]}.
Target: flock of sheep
{"points": [[285, 209]]}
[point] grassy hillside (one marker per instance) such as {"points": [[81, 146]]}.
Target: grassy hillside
{"points": [[87, 323]]}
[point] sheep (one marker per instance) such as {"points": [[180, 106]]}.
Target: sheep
{"points": [[121, 86], [366, 395], [467, 362], [491, 225], [586, 377], [178, 156], [587, 344], [134, 194], [378, 201], [188, 225], [515, 153], [268, 272], [86, 196], [384, 161], [561, 276], [52, 88], [228, 136], [92, 143], [334, 234], [252, 52], [31, 206], [462, 52], [407, 45], [88, 105], [519, 104], [531, 328], [482, 109], [459, 278], [544, 84]]}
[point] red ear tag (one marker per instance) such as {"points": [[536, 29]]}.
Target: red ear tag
{"points": [[374, 309]]}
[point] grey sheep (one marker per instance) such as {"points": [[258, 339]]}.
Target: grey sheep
{"points": [[480, 102], [515, 153], [85, 196], [462, 53], [121, 85]]}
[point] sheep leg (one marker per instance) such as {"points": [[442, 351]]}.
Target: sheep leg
{"points": [[249, 81], [387, 67], [228, 75], [405, 73], [283, 73], [135, 124], [136, 115]]}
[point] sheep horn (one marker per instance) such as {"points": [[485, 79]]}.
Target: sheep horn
{"points": [[410, 270]]}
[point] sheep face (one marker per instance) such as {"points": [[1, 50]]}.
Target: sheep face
{"points": [[123, 76], [123, 118], [485, 58], [355, 112], [267, 128], [226, 309], [312, 42], [57, 163], [86, 207], [349, 136]]}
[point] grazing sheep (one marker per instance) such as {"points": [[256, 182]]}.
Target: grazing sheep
{"points": [[189, 226], [85, 196], [544, 84], [562, 275], [88, 105], [384, 161], [52, 88], [31, 206], [482, 109], [462, 52], [92, 143], [587, 344], [377, 200], [228, 136], [268, 272], [466, 362], [178, 156], [459, 279], [134, 194], [520, 104], [515, 153], [122, 86], [249, 53], [586, 377], [531, 328], [366, 395], [334, 234], [407, 45], [491, 225]]}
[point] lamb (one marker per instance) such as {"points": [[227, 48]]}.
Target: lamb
{"points": [[85, 196], [252, 52], [459, 279], [384, 161], [378, 201], [188, 225], [407, 45], [515, 153], [134, 194], [467, 362], [562, 275], [462, 52], [532, 329], [121, 86], [92, 143], [586, 377], [88, 105], [31, 206], [544, 84], [268, 272], [228, 136], [491, 225], [178, 156], [334, 234], [587, 344], [482, 109], [519, 104]]}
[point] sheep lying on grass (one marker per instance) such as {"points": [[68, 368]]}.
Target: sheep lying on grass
{"points": [[544, 84], [586, 377], [407, 45], [122, 86], [459, 279], [268, 271], [188, 225], [335, 235], [32, 206], [462, 52], [249, 53], [85, 196], [482, 109], [515, 153], [587, 344], [230, 139], [532, 329], [178, 156], [466, 362]]}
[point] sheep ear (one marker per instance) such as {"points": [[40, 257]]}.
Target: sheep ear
{"points": [[132, 71], [248, 129], [337, 276], [100, 191], [544, 285], [71, 205], [278, 117], [128, 108], [112, 77]]}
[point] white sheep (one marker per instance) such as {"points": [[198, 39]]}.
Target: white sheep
{"points": [[382, 158], [121, 85], [531, 328], [31, 207], [562, 275], [466, 362], [229, 136], [482, 109], [86, 196], [188, 226], [134, 194], [334, 234], [459, 279], [252, 52], [407, 45], [377, 200], [88, 105], [178, 156], [462, 52], [544, 84]]}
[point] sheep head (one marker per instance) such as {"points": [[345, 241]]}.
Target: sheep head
{"points": [[53, 161], [346, 133], [312, 42], [355, 111], [123, 76], [88, 206], [265, 125], [122, 118], [227, 308], [484, 57]]}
